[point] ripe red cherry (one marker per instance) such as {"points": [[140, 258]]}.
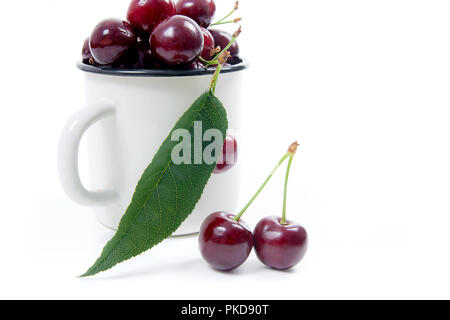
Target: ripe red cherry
{"points": [[202, 11], [145, 15], [229, 156], [110, 41], [144, 58], [139, 57], [209, 44], [86, 54], [222, 39], [177, 41], [224, 243], [192, 66], [280, 246]]}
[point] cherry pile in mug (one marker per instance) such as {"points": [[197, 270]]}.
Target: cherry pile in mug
{"points": [[159, 34]]}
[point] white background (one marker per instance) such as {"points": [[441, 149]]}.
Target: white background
{"points": [[364, 85]]}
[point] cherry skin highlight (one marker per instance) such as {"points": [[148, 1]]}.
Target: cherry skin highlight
{"points": [[110, 41], [280, 246], [201, 11], [145, 15], [222, 39], [229, 156], [209, 44], [177, 41], [224, 243]]}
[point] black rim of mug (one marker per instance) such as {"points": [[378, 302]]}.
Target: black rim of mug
{"points": [[158, 73]]}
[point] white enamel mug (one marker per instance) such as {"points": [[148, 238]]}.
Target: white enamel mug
{"points": [[128, 116]]}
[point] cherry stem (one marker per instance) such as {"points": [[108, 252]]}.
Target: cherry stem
{"points": [[236, 7], [233, 39], [216, 58], [290, 154], [215, 78], [239, 216], [203, 60], [237, 20], [221, 60], [283, 219], [292, 151]]}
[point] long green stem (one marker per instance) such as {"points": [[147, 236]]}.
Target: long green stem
{"points": [[215, 77], [220, 59], [215, 59], [238, 217], [291, 158], [228, 22], [223, 22], [236, 6], [233, 39]]}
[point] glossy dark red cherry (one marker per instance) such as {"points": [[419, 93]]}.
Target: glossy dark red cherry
{"points": [[202, 11], [280, 246], [86, 54], [145, 15], [139, 57], [224, 243], [144, 59], [222, 39], [208, 45], [192, 66], [110, 41], [229, 156], [177, 41]]}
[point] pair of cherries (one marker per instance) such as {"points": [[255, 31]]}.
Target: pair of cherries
{"points": [[226, 241], [158, 34]]}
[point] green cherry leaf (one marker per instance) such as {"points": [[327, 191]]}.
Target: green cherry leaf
{"points": [[167, 193]]}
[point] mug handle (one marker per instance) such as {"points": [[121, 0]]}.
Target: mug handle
{"points": [[68, 150]]}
